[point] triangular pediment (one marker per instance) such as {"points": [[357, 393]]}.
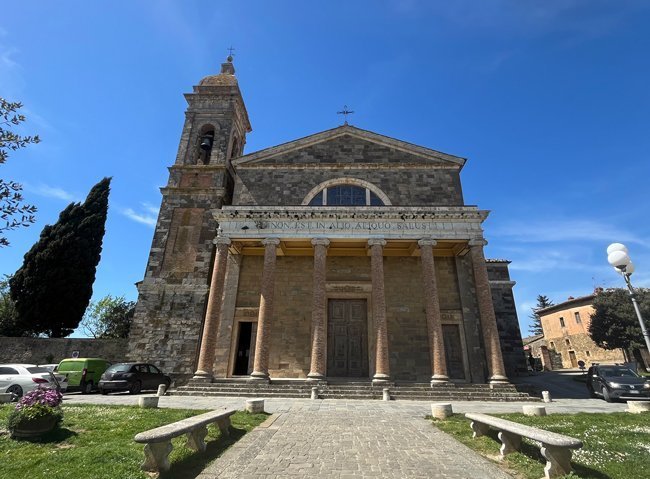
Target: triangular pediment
{"points": [[348, 145]]}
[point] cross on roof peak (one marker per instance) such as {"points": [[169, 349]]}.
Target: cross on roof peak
{"points": [[345, 112]]}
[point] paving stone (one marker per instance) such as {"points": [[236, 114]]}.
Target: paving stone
{"points": [[348, 443]]}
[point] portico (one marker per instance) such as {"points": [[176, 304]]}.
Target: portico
{"points": [[317, 235]]}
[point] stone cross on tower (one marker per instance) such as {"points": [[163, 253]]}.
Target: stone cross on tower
{"points": [[345, 112]]}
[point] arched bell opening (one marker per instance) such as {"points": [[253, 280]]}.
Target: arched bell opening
{"points": [[204, 145]]}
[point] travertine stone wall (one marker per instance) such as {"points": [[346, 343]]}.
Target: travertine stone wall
{"points": [[503, 299], [172, 297], [53, 350], [291, 328], [471, 320], [407, 328], [405, 187]]}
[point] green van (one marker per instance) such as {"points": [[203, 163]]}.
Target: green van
{"points": [[83, 373]]}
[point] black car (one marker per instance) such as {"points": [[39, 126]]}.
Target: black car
{"points": [[616, 382], [132, 377]]}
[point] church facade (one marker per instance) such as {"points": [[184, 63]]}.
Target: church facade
{"points": [[344, 254]]}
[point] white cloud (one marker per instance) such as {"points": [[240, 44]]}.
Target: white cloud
{"points": [[150, 208], [50, 192], [144, 218], [564, 230], [11, 75]]}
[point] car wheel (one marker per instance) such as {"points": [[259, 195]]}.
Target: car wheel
{"points": [[135, 388], [606, 396], [16, 390], [87, 387]]}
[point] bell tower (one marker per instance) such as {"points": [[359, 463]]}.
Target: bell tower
{"points": [[172, 296]]}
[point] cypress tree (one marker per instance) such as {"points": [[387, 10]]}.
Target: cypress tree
{"points": [[54, 285]]}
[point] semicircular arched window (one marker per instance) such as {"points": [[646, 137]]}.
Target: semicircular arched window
{"points": [[346, 195]]}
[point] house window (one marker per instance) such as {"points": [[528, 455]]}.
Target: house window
{"points": [[562, 322], [577, 315], [552, 345], [567, 342], [587, 353]]}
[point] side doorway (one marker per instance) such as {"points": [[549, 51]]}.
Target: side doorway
{"points": [[245, 348], [453, 351]]}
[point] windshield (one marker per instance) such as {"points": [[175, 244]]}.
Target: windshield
{"points": [[119, 368], [619, 373], [36, 369]]}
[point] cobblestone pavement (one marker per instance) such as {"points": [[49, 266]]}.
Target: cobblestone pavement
{"points": [[350, 438], [344, 441], [415, 408]]}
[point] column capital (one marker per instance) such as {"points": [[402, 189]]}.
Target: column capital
{"points": [[320, 242], [271, 241], [477, 242], [377, 242], [427, 242], [221, 240]]}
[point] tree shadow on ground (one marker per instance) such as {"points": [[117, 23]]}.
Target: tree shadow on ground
{"points": [[193, 465], [57, 435]]}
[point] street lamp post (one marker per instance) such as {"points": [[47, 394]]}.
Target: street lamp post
{"points": [[618, 257]]}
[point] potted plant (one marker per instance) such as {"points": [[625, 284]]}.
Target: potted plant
{"points": [[36, 413]]}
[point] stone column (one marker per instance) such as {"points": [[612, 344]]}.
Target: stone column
{"points": [[261, 363], [318, 311], [432, 309], [213, 313], [486, 311], [382, 368]]}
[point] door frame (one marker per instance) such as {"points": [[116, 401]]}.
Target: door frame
{"points": [[242, 315], [455, 317], [352, 290]]}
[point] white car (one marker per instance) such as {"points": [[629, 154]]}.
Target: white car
{"points": [[62, 379], [19, 379]]}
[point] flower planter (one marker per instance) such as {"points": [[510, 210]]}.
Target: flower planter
{"points": [[30, 428]]}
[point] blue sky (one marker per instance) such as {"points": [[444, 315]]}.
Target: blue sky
{"points": [[549, 101]]}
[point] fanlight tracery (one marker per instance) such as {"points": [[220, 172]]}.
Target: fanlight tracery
{"points": [[346, 192]]}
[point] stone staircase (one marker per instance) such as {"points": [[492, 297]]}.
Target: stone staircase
{"points": [[353, 390]]}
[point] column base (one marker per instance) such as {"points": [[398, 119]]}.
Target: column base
{"points": [[316, 378], [380, 379], [498, 379], [201, 377], [438, 379], [261, 377]]}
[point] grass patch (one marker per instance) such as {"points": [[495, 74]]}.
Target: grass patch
{"points": [[96, 442], [616, 446]]}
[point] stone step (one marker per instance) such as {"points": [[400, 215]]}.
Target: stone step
{"points": [[354, 390]]}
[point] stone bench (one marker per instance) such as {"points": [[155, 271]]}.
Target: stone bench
{"points": [[556, 448], [158, 441]]}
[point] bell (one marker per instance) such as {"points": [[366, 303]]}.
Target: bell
{"points": [[206, 143]]}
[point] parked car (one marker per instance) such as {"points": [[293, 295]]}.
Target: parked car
{"points": [[60, 378], [616, 382], [132, 377], [83, 373], [19, 379]]}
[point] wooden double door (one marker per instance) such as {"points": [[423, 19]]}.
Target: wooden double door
{"points": [[347, 338]]}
